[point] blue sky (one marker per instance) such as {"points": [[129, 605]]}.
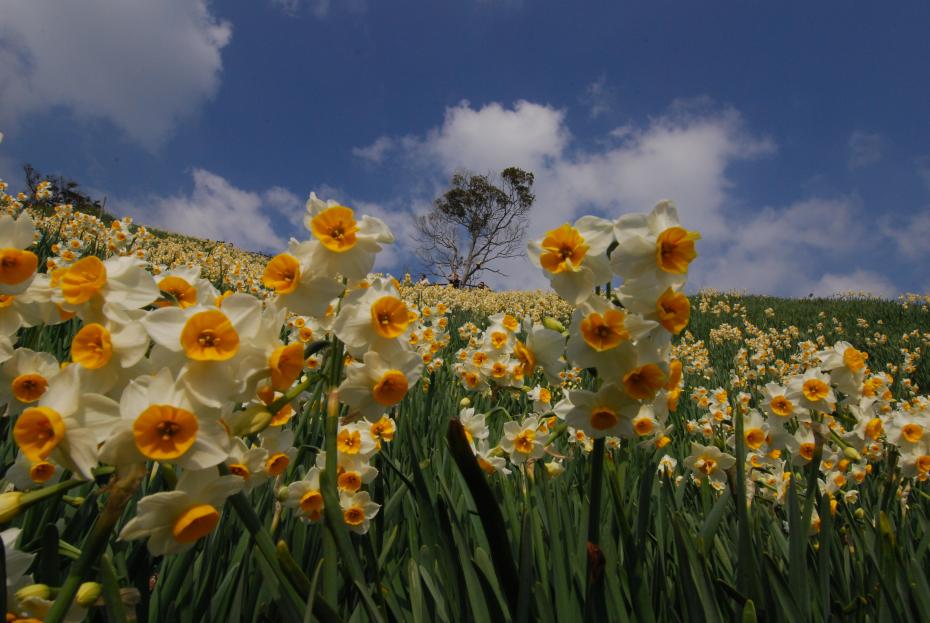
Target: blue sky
{"points": [[795, 136]]}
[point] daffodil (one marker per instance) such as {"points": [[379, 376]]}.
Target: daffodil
{"points": [[213, 344], [357, 510], [173, 521], [523, 441], [653, 247], [306, 496], [573, 257], [846, 365], [90, 282], [25, 377], [343, 244], [709, 462], [160, 422], [66, 424], [17, 264], [299, 283], [814, 390], [379, 382], [609, 411], [604, 337], [374, 318]]}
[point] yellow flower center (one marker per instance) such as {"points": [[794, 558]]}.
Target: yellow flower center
{"points": [[38, 431], [354, 515], [644, 382], [83, 279], [755, 437], [238, 469], [807, 450], [177, 291], [923, 464], [603, 418], [383, 429], [675, 249], [498, 339], [92, 347], [674, 311], [706, 465], [510, 323], [164, 432], [389, 317], [526, 357], [854, 359], [565, 249], [874, 428], [209, 336], [603, 332], [41, 471], [390, 389], [545, 395], [311, 503], [912, 432], [815, 390], [286, 363], [6, 300], [282, 274], [525, 441], [781, 406], [349, 481], [335, 228], [29, 387], [643, 426], [349, 441], [277, 463], [16, 265], [195, 523]]}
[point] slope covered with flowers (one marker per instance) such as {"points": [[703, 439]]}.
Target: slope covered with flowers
{"points": [[612, 450]]}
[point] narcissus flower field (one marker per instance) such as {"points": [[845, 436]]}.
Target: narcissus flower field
{"points": [[191, 433]]}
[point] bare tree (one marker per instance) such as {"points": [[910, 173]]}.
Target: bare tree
{"points": [[475, 223]]}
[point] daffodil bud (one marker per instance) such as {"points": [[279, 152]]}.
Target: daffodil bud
{"points": [[851, 453], [465, 402], [40, 591], [551, 323], [282, 494], [859, 513], [10, 505], [260, 421], [88, 593]]}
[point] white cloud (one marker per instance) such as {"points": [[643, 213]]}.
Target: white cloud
{"points": [[142, 65], [493, 137], [376, 151], [217, 210], [320, 9], [910, 235], [685, 154], [857, 281], [783, 250], [923, 169], [599, 97], [865, 149]]}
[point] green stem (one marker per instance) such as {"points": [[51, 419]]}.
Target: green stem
{"points": [[595, 588], [95, 544]]}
